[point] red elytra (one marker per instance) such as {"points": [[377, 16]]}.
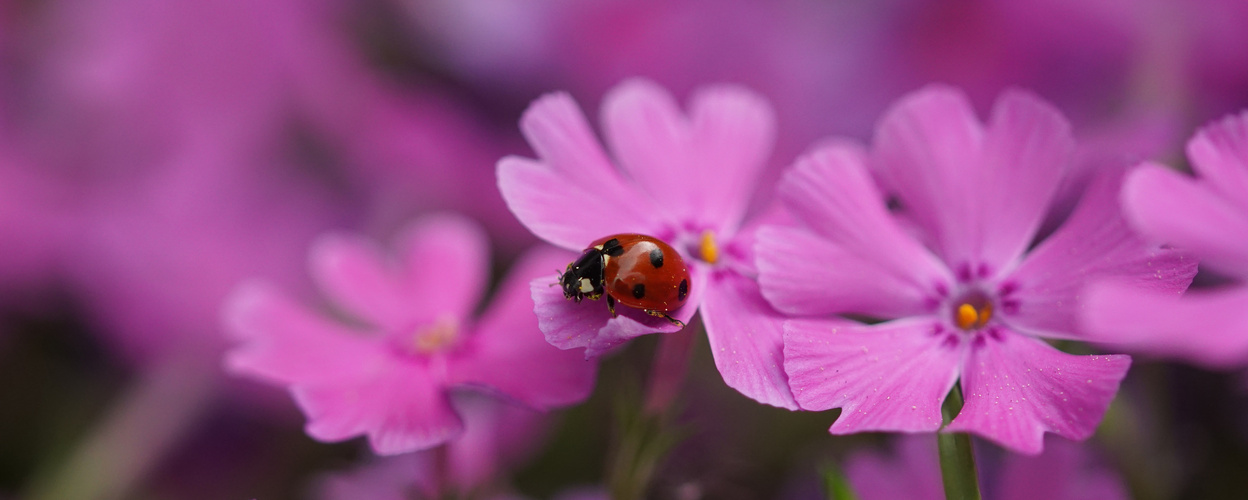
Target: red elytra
{"points": [[635, 270]]}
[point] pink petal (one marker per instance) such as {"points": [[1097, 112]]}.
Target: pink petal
{"points": [[565, 213], [927, 147], [589, 325], [652, 139], [1209, 327], [509, 354], [346, 384], [1094, 243], [887, 377], [1169, 207], [912, 471], [285, 343], [397, 405], [1016, 388], [719, 149], [981, 194], [1219, 154], [1066, 470], [358, 276], [1027, 150], [747, 339], [445, 267], [390, 478], [735, 129], [497, 437], [574, 194], [855, 258], [441, 270]]}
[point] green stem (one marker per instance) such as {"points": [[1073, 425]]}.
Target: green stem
{"points": [[835, 486], [957, 460], [645, 430], [144, 425]]}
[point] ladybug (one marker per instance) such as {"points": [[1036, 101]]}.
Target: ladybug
{"points": [[636, 270]]}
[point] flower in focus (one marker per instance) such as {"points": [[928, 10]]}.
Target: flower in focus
{"points": [[1206, 215], [963, 290], [387, 373], [1065, 471], [685, 178]]}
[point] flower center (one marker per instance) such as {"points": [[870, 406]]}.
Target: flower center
{"points": [[707, 250], [972, 311], [436, 337]]}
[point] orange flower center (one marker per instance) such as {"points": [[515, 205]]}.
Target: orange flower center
{"points": [[972, 312]]}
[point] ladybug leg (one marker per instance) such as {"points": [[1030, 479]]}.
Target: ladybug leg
{"points": [[661, 314], [611, 305]]}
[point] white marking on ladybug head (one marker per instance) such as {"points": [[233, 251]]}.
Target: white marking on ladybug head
{"points": [[586, 286]]}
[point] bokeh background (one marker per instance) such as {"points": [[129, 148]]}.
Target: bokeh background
{"points": [[153, 154]]}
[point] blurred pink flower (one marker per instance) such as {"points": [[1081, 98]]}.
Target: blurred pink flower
{"points": [[1176, 57], [38, 216], [497, 437], [963, 292], [157, 255], [1207, 215], [387, 371], [402, 149], [825, 67], [685, 178], [1065, 471]]}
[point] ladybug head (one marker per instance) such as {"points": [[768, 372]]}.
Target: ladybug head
{"points": [[583, 277]]}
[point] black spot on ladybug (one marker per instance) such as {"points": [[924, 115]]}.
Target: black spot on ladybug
{"points": [[639, 291], [656, 258], [683, 291], [613, 248]]}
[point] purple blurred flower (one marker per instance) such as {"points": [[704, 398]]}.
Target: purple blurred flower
{"points": [[1207, 215], [684, 178], [38, 215], [404, 149], [1065, 471], [497, 436], [387, 373], [1179, 58], [157, 256], [825, 67], [962, 294]]}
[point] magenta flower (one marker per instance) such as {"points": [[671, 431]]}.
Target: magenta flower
{"points": [[962, 292], [497, 436], [387, 374], [1065, 471], [1207, 215], [685, 178]]}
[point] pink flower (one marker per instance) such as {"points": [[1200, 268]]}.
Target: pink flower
{"points": [[685, 178], [1065, 471], [497, 436], [1207, 215], [963, 289], [156, 257], [387, 373], [38, 215]]}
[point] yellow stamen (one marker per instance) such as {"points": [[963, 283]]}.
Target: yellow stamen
{"points": [[437, 336], [970, 318], [710, 252], [967, 316]]}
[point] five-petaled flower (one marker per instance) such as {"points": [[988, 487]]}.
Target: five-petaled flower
{"points": [[388, 370], [687, 179], [964, 291], [1206, 215]]}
